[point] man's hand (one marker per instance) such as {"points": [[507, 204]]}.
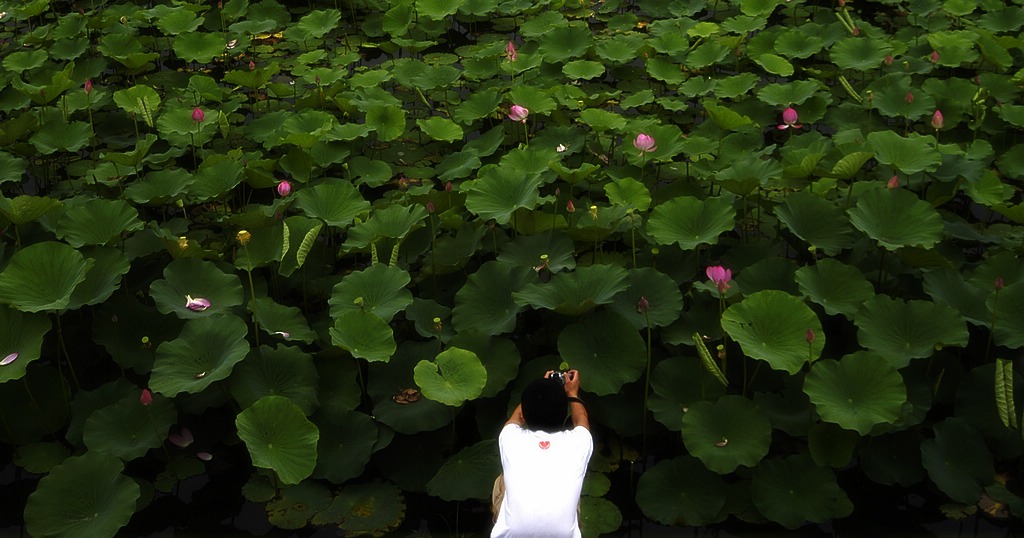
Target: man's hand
{"points": [[572, 383]]}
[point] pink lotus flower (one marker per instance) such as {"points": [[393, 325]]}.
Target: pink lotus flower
{"points": [[645, 143], [510, 52], [146, 398], [88, 86], [196, 305], [720, 276], [284, 188], [790, 119], [198, 115], [894, 182], [9, 359], [937, 120], [181, 440], [518, 113]]}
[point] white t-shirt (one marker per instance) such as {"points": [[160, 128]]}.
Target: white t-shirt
{"points": [[543, 479]]}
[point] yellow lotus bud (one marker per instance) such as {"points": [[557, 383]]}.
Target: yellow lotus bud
{"points": [[243, 237]]}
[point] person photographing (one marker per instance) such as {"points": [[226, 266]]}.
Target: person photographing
{"points": [[543, 461]]}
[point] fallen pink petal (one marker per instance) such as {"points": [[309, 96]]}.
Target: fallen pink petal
{"points": [[197, 304], [9, 359], [205, 456], [181, 439]]}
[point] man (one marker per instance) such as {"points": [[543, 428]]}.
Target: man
{"points": [[543, 463]]}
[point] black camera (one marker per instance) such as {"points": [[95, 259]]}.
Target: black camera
{"points": [[560, 376]]}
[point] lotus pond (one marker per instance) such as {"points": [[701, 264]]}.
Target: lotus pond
{"points": [[288, 266]]}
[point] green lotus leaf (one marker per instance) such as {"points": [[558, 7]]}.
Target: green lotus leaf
{"points": [[283, 371], [536, 100], [849, 166], [159, 186], [858, 53], [630, 193], [485, 303], [286, 322], [296, 505], [347, 439], [677, 383], [139, 101], [500, 357], [798, 44], [469, 474], [128, 429], [61, 136], [440, 128], [339, 388], [598, 516], [336, 203], [314, 25], [87, 402], [530, 251], [957, 460], [663, 302], [575, 293], [691, 221], [837, 287], [622, 49], [129, 330], [707, 54], [198, 279], [831, 445], [388, 121], [748, 172], [21, 336], [909, 155], [201, 47], [775, 64], [279, 437], [607, 348], [393, 222], [438, 9], [772, 326], [206, 351], [455, 375], [104, 499], [379, 289], [727, 433], [42, 276], [947, 286], [895, 96], [478, 105], [372, 509], [563, 42], [97, 222], [954, 47], [108, 266], [794, 491], [602, 120], [904, 330], [897, 218], [817, 221], [1008, 309], [583, 69], [856, 392], [397, 403], [373, 173], [735, 86], [895, 458], [363, 334], [24, 60], [41, 457], [24, 209], [502, 190], [35, 406], [174, 21], [217, 175], [987, 387], [681, 492]]}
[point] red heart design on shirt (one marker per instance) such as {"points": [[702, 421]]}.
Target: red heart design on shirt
{"points": [[544, 445]]}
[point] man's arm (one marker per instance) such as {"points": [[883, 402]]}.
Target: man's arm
{"points": [[572, 390]]}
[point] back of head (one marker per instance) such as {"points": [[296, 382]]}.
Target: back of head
{"points": [[544, 402]]}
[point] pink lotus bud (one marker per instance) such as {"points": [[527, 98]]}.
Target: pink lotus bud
{"points": [[518, 113], [430, 207], [856, 30], [643, 305], [197, 304], [88, 86], [909, 97], [570, 208], [645, 143], [510, 52], [934, 57], [937, 120], [888, 59], [198, 115], [146, 398], [893, 183], [720, 276], [790, 119], [999, 283], [448, 187], [284, 188], [252, 65], [809, 336]]}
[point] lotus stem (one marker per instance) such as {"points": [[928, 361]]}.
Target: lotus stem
{"points": [[647, 382], [64, 349]]}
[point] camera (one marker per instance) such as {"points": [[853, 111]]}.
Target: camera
{"points": [[560, 376]]}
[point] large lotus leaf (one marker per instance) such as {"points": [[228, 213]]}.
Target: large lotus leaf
{"points": [[339, 388], [598, 516], [831, 445], [279, 437], [607, 348], [817, 221], [500, 357], [772, 326], [677, 383], [575, 293], [456, 375], [691, 221], [129, 331], [206, 351], [652, 298], [485, 302], [286, 322], [139, 101], [439, 128], [128, 429], [394, 222], [681, 492], [284, 371], [61, 136], [563, 42], [837, 287], [86, 402], [217, 176], [897, 218], [24, 209], [502, 190], [908, 155], [976, 400], [628, 192], [903, 330], [946, 285], [199, 47], [41, 457], [858, 53], [856, 392], [21, 336], [379, 289], [336, 203], [12, 169], [346, 442], [388, 121], [469, 474], [198, 279], [397, 402], [42, 276], [894, 458], [372, 509], [527, 251], [363, 334], [794, 491], [958, 461], [294, 506], [1007, 307], [84, 496], [727, 433], [108, 266], [159, 186]]}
